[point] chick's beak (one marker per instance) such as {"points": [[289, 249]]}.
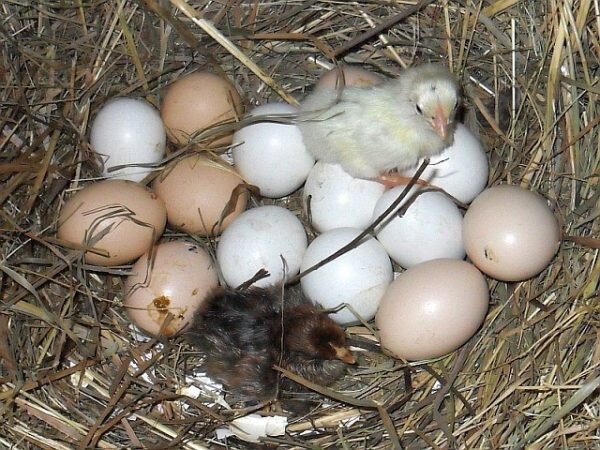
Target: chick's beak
{"points": [[343, 354], [440, 122]]}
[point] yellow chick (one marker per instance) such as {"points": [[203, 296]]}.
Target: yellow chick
{"points": [[372, 130]]}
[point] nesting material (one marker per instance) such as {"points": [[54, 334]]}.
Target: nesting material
{"points": [[75, 373]]}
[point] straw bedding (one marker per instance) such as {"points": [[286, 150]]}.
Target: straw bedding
{"points": [[74, 374]]}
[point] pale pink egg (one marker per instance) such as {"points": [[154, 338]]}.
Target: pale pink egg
{"points": [[432, 309]]}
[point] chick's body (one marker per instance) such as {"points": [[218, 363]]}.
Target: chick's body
{"points": [[372, 130], [243, 334]]}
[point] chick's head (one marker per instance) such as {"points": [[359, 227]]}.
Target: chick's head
{"points": [[435, 96], [317, 335]]}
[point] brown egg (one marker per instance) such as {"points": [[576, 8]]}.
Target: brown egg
{"points": [[119, 216], [510, 233], [353, 76], [196, 190], [196, 102], [176, 281], [432, 309]]}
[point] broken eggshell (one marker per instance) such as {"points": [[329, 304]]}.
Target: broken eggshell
{"points": [[175, 280]]}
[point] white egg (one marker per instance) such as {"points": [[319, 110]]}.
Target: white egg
{"points": [[262, 238], [430, 228], [461, 169], [358, 278], [128, 131], [336, 199], [272, 155]]}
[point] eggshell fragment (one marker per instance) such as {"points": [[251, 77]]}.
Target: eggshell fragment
{"points": [[352, 75], [335, 199], [196, 191], [197, 101], [358, 278], [430, 228], [128, 131], [432, 309], [461, 169], [267, 237], [510, 233], [175, 280], [272, 155], [122, 217]]}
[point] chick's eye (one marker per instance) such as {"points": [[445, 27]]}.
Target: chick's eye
{"points": [[419, 110]]}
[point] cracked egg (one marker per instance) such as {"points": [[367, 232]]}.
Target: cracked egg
{"points": [[166, 289]]}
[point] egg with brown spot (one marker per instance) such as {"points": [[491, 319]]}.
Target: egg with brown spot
{"points": [[163, 292], [510, 233]]}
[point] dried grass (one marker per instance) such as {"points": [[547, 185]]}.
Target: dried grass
{"points": [[73, 373]]}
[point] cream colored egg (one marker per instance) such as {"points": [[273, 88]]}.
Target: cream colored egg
{"points": [[196, 102], [510, 233], [175, 280], [432, 309], [120, 217], [196, 191]]}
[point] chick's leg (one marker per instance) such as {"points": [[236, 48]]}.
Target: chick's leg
{"points": [[393, 179]]}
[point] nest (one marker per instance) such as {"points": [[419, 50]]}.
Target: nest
{"points": [[75, 375]]}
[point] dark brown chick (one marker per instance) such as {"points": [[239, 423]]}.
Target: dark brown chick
{"points": [[314, 346], [243, 334]]}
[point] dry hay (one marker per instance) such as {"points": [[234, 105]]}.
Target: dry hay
{"points": [[73, 373]]}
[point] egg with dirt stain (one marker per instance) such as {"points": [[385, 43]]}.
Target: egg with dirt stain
{"points": [[166, 288], [116, 220]]}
